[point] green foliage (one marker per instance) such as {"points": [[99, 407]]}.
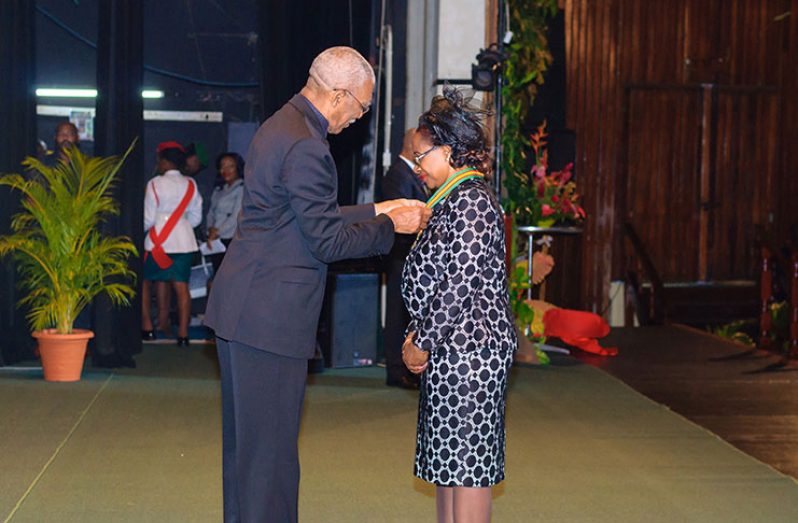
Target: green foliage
{"points": [[779, 333], [734, 331], [62, 257], [528, 59]]}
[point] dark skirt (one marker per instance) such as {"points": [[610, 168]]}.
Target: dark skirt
{"points": [[180, 270], [460, 438]]}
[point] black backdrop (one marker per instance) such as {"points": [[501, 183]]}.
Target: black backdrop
{"points": [[119, 120], [291, 34], [18, 117]]}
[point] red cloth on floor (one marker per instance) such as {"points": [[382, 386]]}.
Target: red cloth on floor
{"points": [[578, 328]]}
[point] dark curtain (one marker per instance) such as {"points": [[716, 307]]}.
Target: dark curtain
{"points": [[291, 35], [120, 73], [18, 117]]}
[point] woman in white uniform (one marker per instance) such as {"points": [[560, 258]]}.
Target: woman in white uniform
{"points": [[172, 208]]}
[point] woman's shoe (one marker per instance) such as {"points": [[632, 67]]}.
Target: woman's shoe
{"points": [[182, 342], [147, 335]]}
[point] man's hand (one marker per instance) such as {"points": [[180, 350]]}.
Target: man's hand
{"points": [[416, 360], [409, 220], [387, 206]]}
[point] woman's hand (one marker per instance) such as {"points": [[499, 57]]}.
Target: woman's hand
{"points": [[416, 360], [213, 233]]}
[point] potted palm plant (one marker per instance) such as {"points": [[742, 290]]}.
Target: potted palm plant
{"points": [[62, 257]]}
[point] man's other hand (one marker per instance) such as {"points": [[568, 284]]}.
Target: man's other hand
{"points": [[409, 219]]}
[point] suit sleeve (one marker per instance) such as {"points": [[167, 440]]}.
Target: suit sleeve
{"points": [[357, 213], [309, 178], [466, 245]]}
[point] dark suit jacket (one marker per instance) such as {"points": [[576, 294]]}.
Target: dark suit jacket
{"points": [[269, 289], [401, 182]]}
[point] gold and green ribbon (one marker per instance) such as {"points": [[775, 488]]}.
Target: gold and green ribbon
{"points": [[451, 182], [448, 186]]}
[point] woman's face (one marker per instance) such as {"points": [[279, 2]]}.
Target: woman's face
{"points": [[228, 169], [164, 165], [431, 160]]}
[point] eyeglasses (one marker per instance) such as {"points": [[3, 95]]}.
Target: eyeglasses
{"points": [[419, 157], [363, 107]]}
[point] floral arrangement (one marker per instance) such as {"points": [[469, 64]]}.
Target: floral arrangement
{"points": [[554, 198]]}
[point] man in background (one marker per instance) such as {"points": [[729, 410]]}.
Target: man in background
{"points": [[66, 135], [400, 182], [196, 167]]}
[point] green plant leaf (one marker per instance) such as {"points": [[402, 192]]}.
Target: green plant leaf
{"points": [[62, 258]]}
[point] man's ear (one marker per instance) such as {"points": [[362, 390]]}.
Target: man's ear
{"points": [[337, 96]]}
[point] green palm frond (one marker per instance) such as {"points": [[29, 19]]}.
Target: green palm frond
{"points": [[63, 260]]}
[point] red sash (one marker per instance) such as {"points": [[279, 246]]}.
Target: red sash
{"points": [[158, 254]]}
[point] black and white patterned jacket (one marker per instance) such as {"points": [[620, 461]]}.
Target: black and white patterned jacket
{"points": [[455, 278]]}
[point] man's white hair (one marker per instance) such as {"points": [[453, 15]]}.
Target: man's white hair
{"points": [[341, 68]]}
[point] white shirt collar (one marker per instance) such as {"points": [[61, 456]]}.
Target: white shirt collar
{"points": [[409, 163]]}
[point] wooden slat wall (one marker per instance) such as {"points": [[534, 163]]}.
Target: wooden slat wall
{"points": [[624, 54]]}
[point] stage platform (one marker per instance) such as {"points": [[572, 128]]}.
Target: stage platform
{"points": [[144, 444], [747, 397]]}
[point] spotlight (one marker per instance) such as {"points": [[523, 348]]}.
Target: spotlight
{"points": [[484, 72]]}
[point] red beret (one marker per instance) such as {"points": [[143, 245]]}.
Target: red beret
{"points": [[169, 145]]}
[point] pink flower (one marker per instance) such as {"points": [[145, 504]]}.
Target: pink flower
{"points": [[539, 171], [546, 210]]}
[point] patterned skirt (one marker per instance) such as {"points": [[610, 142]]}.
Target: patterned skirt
{"points": [[460, 438]]}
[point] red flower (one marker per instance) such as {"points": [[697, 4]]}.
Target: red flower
{"points": [[546, 210]]}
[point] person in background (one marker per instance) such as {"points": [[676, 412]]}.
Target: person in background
{"points": [[172, 208], [225, 203], [196, 165], [66, 135], [401, 181]]}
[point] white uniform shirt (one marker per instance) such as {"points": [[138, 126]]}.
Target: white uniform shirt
{"points": [[170, 189]]}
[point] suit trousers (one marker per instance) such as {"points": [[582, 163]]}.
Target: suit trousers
{"points": [[262, 395]]}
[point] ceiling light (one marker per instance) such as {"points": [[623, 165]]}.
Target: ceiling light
{"points": [[87, 93], [67, 93]]}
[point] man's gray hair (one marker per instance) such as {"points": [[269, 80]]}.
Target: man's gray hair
{"points": [[341, 68]]}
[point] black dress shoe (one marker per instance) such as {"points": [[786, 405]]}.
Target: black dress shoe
{"points": [[403, 383], [182, 342], [147, 335]]}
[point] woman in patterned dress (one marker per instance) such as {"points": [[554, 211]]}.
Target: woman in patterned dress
{"points": [[461, 337]]}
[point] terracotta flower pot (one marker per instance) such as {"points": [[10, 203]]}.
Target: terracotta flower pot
{"points": [[62, 354]]}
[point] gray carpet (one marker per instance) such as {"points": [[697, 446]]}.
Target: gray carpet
{"points": [[144, 445]]}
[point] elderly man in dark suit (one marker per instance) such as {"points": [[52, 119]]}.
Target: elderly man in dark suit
{"points": [[265, 302], [399, 182]]}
